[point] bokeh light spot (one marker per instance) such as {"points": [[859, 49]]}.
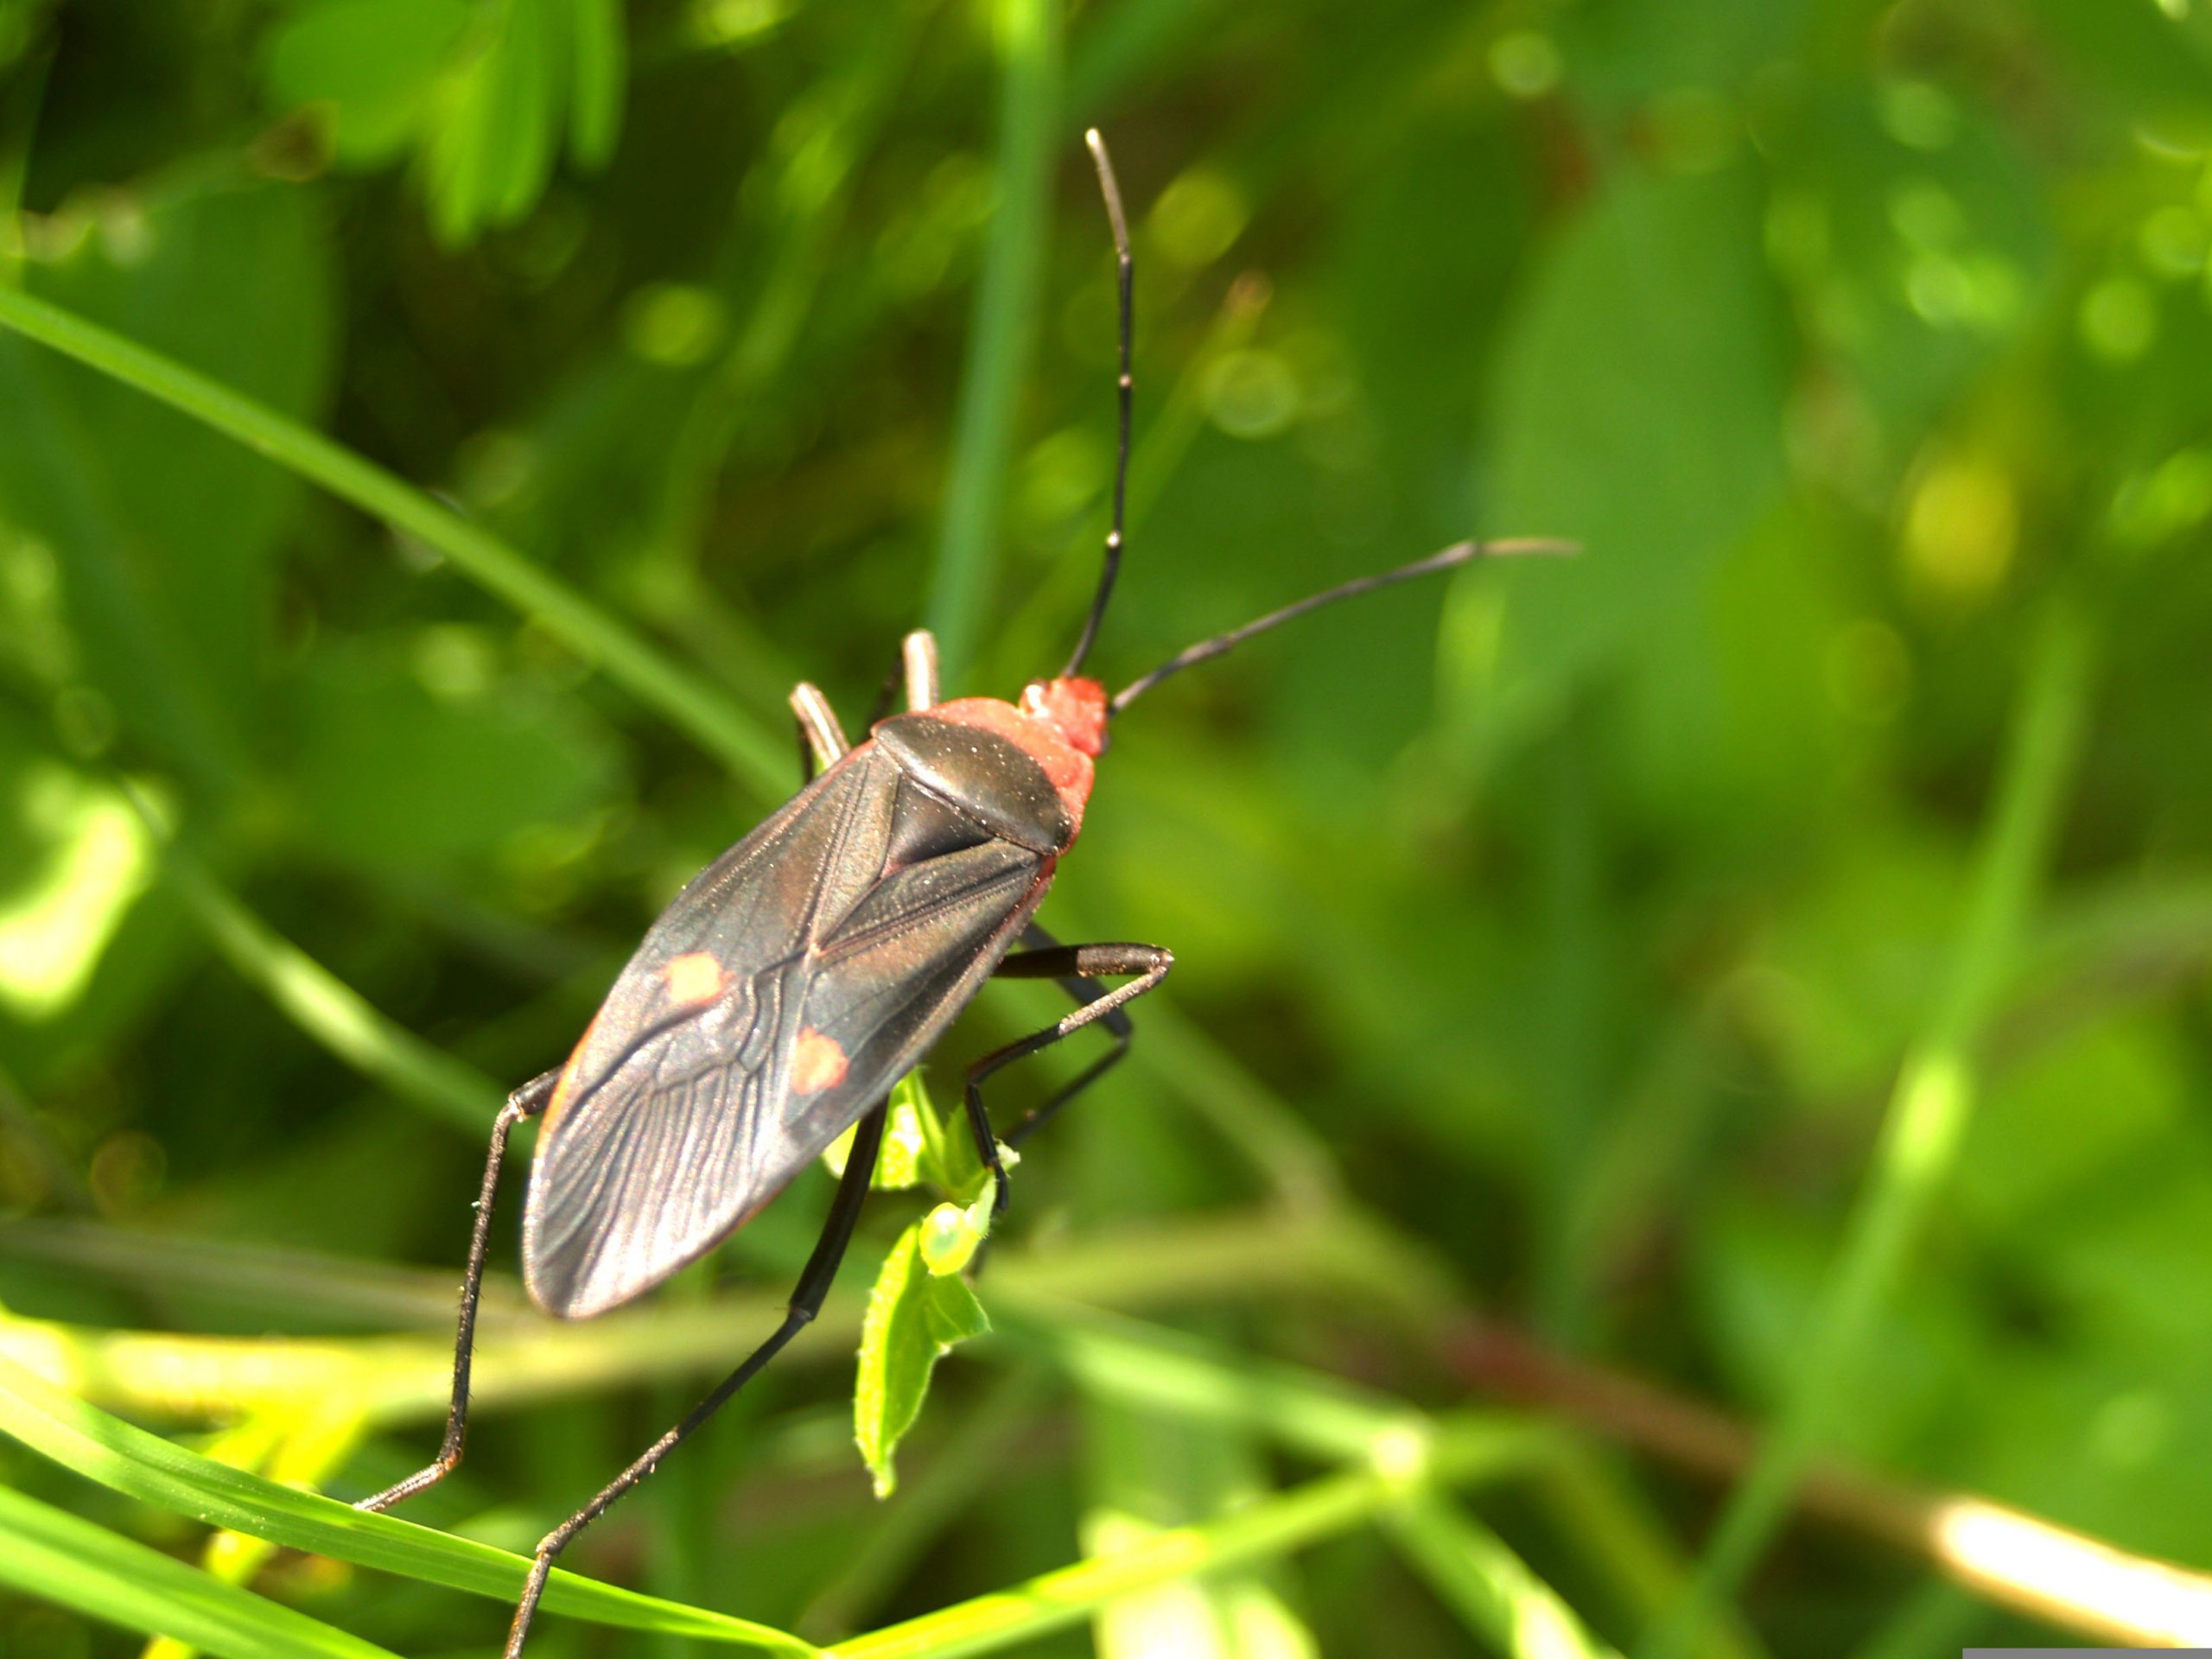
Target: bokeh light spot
{"points": [[2118, 319], [2174, 497], [673, 324], [495, 466], [1198, 218], [1962, 531], [1062, 475], [729, 22], [1525, 63], [1250, 394], [1939, 290], [455, 662], [1917, 114], [93, 859], [1926, 214], [2132, 1430], [2173, 243]]}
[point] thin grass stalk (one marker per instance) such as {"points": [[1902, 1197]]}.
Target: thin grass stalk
{"points": [[1926, 1123]]}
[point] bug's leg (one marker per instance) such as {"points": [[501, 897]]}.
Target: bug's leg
{"points": [[526, 1102], [918, 655], [1074, 965], [820, 739], [814, 1281], [1118, 1025]]}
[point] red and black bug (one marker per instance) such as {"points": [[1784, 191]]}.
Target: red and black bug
{"points": [[797, 978]]}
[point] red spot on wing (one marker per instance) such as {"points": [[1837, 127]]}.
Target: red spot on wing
{"points": [[817, 1062], [693, 979]]}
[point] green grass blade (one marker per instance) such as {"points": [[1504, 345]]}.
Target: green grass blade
{"points": [[55, 1557], [601, 71], [688, 701], [320, 1003], [1926, 1123], [1003, 327], [114, 1454], [1053, 1601], [1490, 1588]]}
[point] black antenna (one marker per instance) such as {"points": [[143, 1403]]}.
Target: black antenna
{"points": [[1458, 553], [1127, 276]]}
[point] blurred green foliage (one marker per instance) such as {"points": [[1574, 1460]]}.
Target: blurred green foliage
{"points": [[1575, 918]]}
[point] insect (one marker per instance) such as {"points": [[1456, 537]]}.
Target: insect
{"points": [[798, 977]]}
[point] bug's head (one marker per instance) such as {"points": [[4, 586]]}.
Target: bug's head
{"points": [[1072, 706]]}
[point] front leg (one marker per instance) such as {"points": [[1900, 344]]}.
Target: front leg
{"points": [[820, 739], [1075, 966], [918, 655], [1117, 1024]]}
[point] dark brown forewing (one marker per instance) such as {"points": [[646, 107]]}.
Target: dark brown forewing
{"points": [[990, 778], [679, 1119]]}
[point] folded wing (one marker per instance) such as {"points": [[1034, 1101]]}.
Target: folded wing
{"points": [[790, 985]]}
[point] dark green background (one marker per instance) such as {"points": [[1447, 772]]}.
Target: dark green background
{"points": [[1575, 919]]}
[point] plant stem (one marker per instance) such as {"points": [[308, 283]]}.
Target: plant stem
{"points": [[1926, 1119], [1303, 1515], [1490, 1588], [407, 1378]]}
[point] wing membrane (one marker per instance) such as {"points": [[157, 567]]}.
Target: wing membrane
{"points": [[787, 987]]}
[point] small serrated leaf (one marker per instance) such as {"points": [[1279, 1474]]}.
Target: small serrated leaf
{"points": [[909, 1134], [913, 1319], [955, 1313]]}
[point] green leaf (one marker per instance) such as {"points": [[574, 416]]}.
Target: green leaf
{"points": [[55, 1557], [1656, 301], [386, 726], [1916, 245], [532, 66], [374, 65], [77, 857], [952, 1233], [917, 1150], [602, 71], [525, 110], [914, 1318], [480, 143], [130, 1460], [163, 534], [1502, 1603], [482, 89]]}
